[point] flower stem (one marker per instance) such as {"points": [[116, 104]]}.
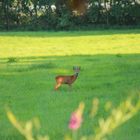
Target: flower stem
{"points": [[74, 135]]}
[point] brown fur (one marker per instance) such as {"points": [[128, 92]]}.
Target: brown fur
{"points": [[61, 79]]}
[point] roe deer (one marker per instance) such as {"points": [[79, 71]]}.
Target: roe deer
{"points": [[61, 79]]}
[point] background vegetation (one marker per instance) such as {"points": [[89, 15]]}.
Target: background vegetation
{"points": [[68, 14]]}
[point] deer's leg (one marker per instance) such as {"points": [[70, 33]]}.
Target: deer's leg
{"points": [[57, 86], [70, 86]]}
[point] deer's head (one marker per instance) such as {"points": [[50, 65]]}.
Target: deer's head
{"points": [[76, 69]]}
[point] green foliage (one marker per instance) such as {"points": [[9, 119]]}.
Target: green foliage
{"points": [[12, 60], [65, 15], [93, 14], [64, 22]]}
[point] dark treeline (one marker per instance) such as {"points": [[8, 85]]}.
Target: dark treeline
{"points": [[67, 14]]}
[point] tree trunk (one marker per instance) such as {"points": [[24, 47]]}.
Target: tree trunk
{"points": [[6, 12], [106, 12]]}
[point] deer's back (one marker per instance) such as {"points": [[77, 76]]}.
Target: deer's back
{"points": [[65, 79]]}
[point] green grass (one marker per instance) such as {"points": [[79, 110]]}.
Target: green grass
{"points": [[29, 61], [36, 44]]}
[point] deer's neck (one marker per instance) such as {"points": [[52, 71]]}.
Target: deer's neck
{"points": [[76, 75]]}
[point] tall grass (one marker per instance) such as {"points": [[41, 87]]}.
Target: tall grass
{"points": [[119, 115]]}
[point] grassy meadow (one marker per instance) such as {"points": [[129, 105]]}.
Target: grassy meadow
{"points": [[29, 62]]}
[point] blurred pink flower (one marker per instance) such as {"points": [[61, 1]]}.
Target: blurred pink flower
{"points": [[76, 117], [75, 121]]}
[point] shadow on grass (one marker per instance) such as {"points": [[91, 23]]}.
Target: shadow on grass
{"points": [[70, 33], [106, 71], [61, 63]]}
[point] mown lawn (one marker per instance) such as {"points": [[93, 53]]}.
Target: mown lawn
{"points": [[29, 61]]}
